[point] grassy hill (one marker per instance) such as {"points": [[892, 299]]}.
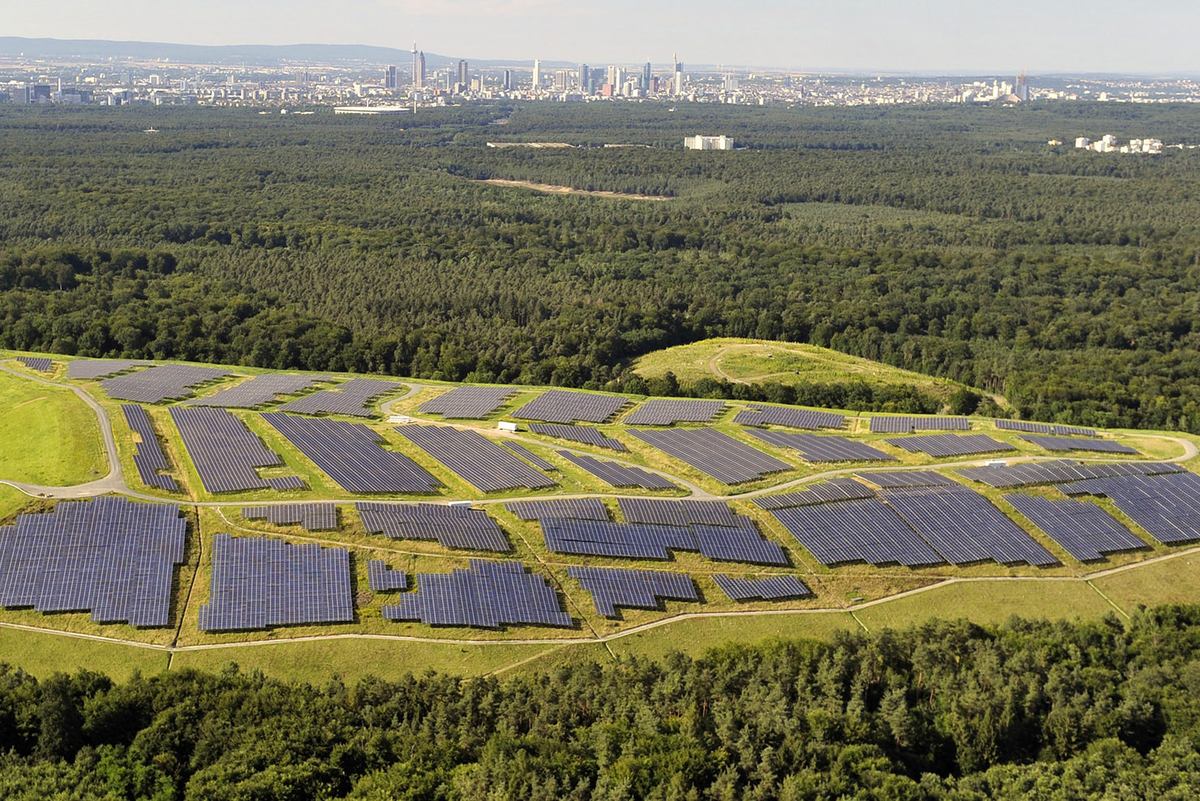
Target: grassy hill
{"points": [[756, 361], [47, 435]]}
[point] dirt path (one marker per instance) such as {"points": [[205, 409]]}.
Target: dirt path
{"points": [[553, 189]]}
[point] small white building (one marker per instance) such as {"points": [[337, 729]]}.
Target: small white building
{"points": [[708, 143], [371, 110]]}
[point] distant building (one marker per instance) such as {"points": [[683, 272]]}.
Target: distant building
{"points": [[584, 72], [389, 77], [537, 74], [418, 67], [646, 76], [506, 81], [1022, 88], [371, 110], [1082, 142], [678, 88], [463, 77], [708, 143], [562, 80]]}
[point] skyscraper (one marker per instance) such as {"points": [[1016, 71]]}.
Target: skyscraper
{"points": [[419, 74], [646, 77], [389, 77], [508, 85], [537, 74], [1022, 88], [463, 76], [678, 88], [583, 78]]}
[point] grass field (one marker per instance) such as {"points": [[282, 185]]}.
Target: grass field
{"points": [[12, 501], [43, 654], [47, 435], [1170, 581], [756, 361]]}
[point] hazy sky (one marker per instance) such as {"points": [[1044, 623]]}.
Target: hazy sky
{"points": [[949, 35]]}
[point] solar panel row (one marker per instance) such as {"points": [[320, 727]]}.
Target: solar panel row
{"points": [[477, 460], [1074, 444], [815, 448], [1167, 506], [740, 542], [576, 508], [660, 412], [486, 595], [561, 406], [714, 453], [1062, 471], [638, 589], [468, 403], [585, 434], [39, 363], [907, 425], [381, 578], [618, 475], [907, 478], [109, 556], [530, 456], [351, 398], [1044, 428], [943, 445], [259, 390], [770, 588], [283, 483], [309, 516], [148, 456], [89, 369], [223, 450], [350, 454], [789, 417], [863, 530], [1084, 530], [453, 526], [677, 513], [837, 489], [159, 383], [259, 582]]}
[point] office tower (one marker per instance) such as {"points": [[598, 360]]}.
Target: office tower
{"points": [[507, 85], [1022, 89], [583, 78], [421, 70], [646, 77], [537, 74], [463, 77], [389, 77], [678, 88]]}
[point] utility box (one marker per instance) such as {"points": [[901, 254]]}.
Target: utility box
{"points": [[504, 425]]}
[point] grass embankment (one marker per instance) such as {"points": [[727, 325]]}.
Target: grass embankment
{"points": [[47, 435]]}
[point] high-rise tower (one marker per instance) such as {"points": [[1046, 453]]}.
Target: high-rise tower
{"points": [[678, 87], [537, 74]]}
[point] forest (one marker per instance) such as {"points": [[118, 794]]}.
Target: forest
{"points": [[950, 710], [951, 241]]}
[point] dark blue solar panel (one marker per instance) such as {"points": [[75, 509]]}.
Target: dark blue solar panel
{"points": [[224, 451], [944, 445], [475, 459], [907, 478], [1167, 506], [352, 398], [1077, 444], [677, 513], [789, 417], [1062, 471], [770, 588], [486, 595], [586, 435], [351, 455], [148, 456], [381, 578], [39, 363], [739, 542], [816, 448], [714, 453], [863, 530], [531, 457], [453, 526], [309, 516], [563, 406], [161, 382], [259, 583], [639, 589], [577, 508], [663, 412], [907, 425], [1086, 531], [111, 556], [618, 475], [837, 489]]}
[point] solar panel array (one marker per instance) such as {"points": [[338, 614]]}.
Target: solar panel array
{"points": [[863, 530], [1044, 428], [109, 556], [639, 589], [837, 489], [283, 483], [453, 526], [486, 595], [907, 425], [468, 403], [660, 412], [1084, 530], [815, 448], [148, 457], [585, 434], [88, 369], [259, 390], [259, 582], [770, 588], [477, 460], [164, 382], [531, 457], [907, 478], [714, 453], [350, 454], [789, 417], [677, 513], [381, 578], [965, 527], [736, 542], [575, 508], [942, 445], [309, 516], [1062, 471], [561, 406], [617, 475], [224, 451], [349, 399], [1167, 506], [39, 363], [1075, 444]]}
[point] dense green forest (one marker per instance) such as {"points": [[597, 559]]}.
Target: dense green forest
{"points": [[952, 241], [946, 711]]}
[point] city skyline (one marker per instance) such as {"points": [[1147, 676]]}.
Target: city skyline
{"points": [[856, 36]]}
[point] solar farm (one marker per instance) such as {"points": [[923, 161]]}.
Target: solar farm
{"points": [[294, 523]]}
